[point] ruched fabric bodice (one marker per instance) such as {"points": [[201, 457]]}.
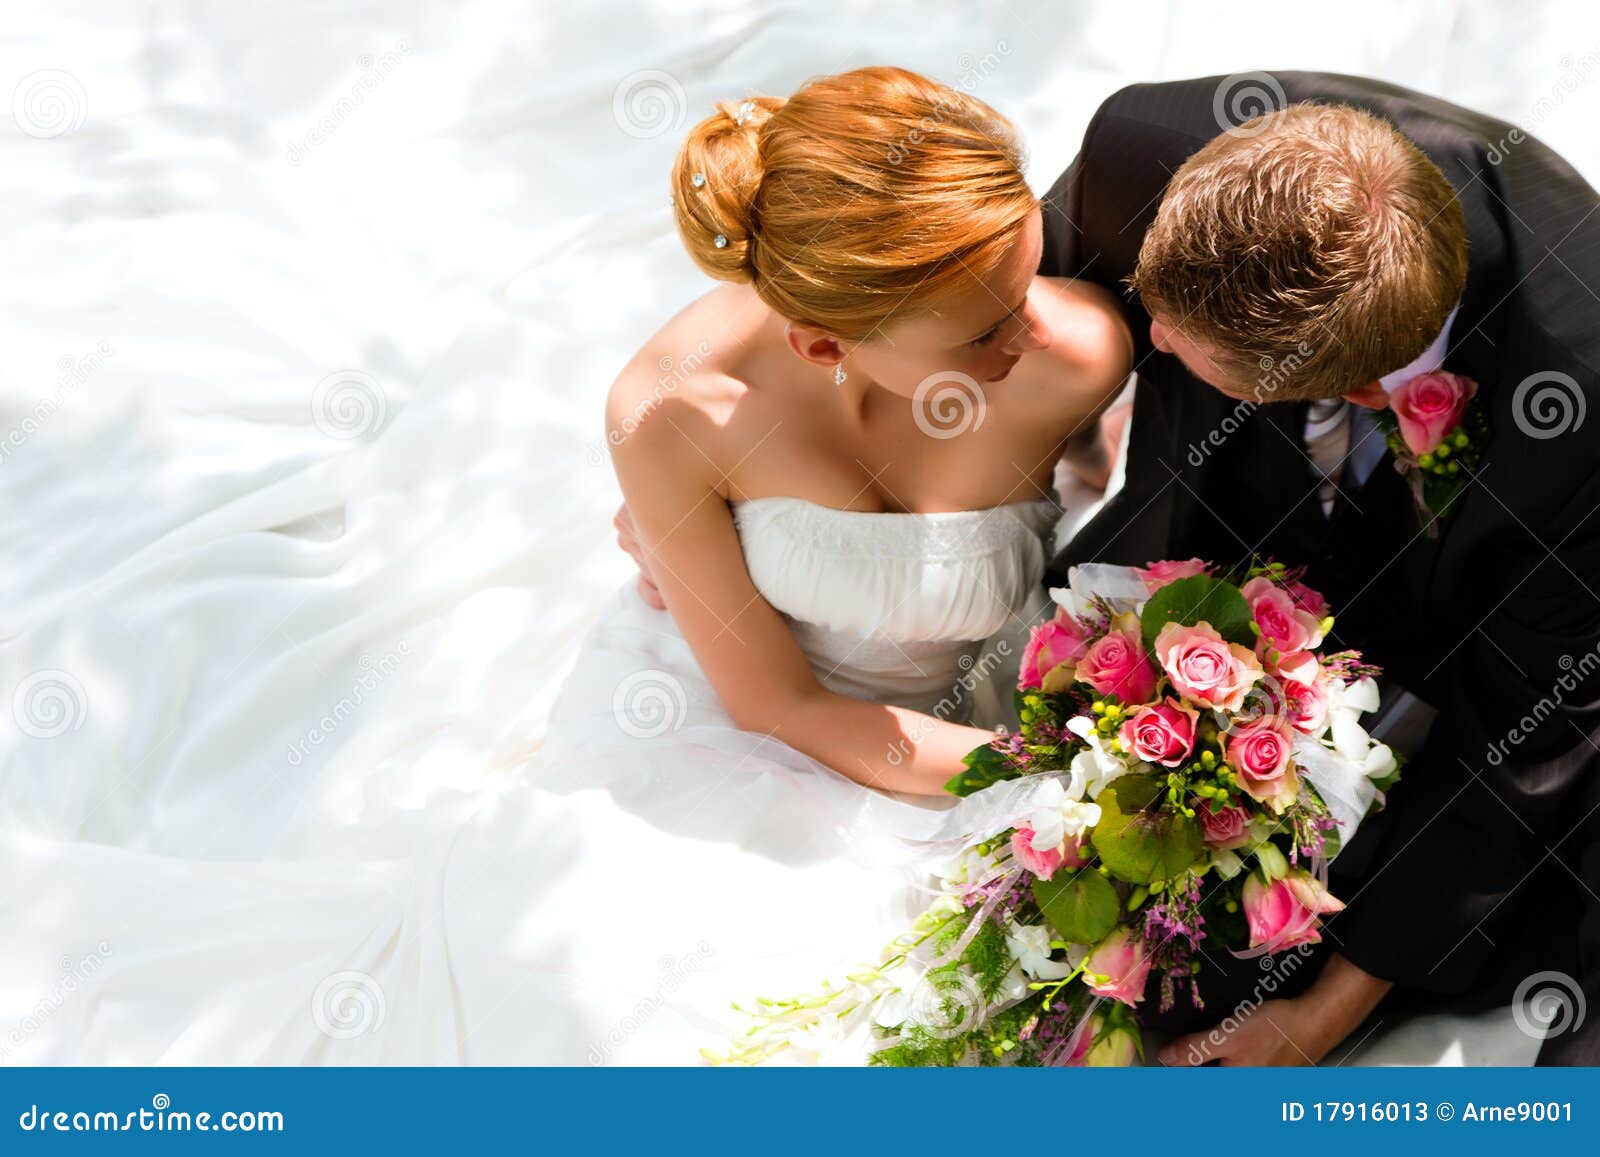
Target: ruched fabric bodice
{"points": [[895, 607]]}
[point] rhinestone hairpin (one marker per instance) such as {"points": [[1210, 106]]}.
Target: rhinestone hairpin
{"points": [[698, 180], [720, 241], [745, 112]]}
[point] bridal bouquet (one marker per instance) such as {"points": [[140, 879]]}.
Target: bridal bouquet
{"points": [[1187, 765]]}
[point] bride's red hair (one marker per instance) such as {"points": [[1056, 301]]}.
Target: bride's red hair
{"points": [[863, 196]]}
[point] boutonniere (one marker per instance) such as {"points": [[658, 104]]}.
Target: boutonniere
{"points": [[1436, 429]]}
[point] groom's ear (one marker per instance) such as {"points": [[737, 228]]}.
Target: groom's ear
{"points": [[813, 345], [1372, 395]]}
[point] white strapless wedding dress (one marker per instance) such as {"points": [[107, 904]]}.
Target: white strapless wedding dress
{"points": [[652, 865]]}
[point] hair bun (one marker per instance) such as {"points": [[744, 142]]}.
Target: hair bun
{"points": [[715, 181]]}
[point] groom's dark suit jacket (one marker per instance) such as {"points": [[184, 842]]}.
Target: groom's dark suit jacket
{"points": [[1485, 867]]}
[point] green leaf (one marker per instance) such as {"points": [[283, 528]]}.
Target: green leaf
{"points": [[984, 767], [1082, 909], [1137, 838], [1198, 599]]}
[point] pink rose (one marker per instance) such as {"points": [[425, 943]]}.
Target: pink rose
{"points": [[1044, 863], [1204, 668], [1260, 754], [1117, 665], [1159, 574], [1228, 828], [1053, 648], [1282, 622], [1284, 913], [1161, 734], [1304, 692], [1429, 406], [1308, 600], [1118, 967]]}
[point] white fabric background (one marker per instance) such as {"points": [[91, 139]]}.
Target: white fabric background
{"points": [[256, 633]]}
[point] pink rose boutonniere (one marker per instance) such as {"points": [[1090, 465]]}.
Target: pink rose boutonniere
{"points": [[1436, 430]]}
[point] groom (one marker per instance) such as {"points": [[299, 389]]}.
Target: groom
{"points": [[1291, 272]]}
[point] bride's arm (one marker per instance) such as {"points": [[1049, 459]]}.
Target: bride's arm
{"points": [[685, 530]]}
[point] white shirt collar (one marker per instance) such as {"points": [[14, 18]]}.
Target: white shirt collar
{"points": [[1427, 361]]}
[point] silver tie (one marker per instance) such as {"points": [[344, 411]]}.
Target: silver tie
{"points": [[1328, 444]]}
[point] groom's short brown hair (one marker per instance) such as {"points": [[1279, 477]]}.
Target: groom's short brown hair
{"points": [[1316, 237]]}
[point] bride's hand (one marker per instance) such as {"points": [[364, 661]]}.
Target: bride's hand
{"points": [[628, 540], [1289, 1031]]}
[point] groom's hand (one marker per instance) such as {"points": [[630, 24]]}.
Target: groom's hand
{"points": [[1300, 1030], [628, 540]]}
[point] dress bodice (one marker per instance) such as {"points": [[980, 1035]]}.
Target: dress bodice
{"points": [[892, 606]]}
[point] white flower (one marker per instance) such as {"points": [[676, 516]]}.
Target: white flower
{"points": [[1094, 769], [1056, 818], [1345, 706], [1380, 761], [1030, 944]]}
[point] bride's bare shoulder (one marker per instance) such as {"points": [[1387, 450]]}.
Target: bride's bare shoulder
{"points": [[683, 381], [1089, 331]]}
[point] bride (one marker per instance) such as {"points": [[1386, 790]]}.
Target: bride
{"points": [[842, 490]]}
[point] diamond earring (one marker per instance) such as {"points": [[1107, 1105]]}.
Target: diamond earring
{"points": [[838, 374]]}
